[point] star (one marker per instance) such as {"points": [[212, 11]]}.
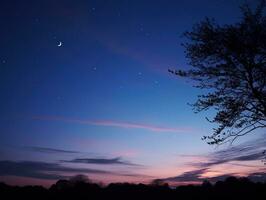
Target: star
{"points": [[92, 9]]}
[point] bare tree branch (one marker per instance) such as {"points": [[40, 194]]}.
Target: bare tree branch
{"points": [[230, 61]]}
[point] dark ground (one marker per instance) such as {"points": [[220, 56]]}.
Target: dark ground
{"points": [[231, 188]]}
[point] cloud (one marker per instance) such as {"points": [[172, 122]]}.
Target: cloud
{"points": [[197, 176], [119, 124], [248, 151], [237, 155], [49, 150], [41, 170], [101, 161], [190, 176]]}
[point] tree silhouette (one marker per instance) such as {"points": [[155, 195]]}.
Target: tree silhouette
{"points": [[230, 188], [230, 62]]}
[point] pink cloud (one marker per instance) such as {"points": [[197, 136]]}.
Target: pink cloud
{"points": [[119, 124]]}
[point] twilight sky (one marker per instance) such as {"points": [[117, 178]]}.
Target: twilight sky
{"points": [[84, 89]]}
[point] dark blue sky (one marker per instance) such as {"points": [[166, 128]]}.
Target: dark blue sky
{"points": [[105, 92]]}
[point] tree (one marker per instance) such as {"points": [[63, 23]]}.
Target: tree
{"points": [[230, 62], [79, 178]]}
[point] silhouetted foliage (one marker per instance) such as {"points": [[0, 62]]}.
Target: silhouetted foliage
{"points": [[231, 188], [80, 178], [230, 62]]}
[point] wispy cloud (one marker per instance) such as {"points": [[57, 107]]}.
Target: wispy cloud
{"points": [[248, 151], [119, 124], [53, 171], [49, 150], [41, 170], [197, 176], [239, 156], [101, 161], [190, 176]]}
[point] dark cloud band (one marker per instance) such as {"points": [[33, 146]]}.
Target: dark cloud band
{"points": [[49, 150], [100, 161], [41, 170]]}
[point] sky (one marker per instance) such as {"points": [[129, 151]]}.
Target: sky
{"points": [[85, 89]]}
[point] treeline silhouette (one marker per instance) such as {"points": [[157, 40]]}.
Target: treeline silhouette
{"points": [[231, 188]]}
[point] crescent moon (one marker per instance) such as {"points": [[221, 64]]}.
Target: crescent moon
{"points": [[60, 44]]}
